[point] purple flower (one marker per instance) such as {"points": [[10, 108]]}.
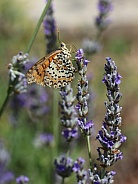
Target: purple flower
{"points": [[50, 30], [110, 137], [78, 164], [83, 95], [81, 174], [95, 176], [91, 47], [36, 102], [43, 139], [79, 54], [86, 128], [111, 77], [17, 80], [104, 7], [22, 180], [68, 113], [64, 166], [6, 177], [70, 133]]}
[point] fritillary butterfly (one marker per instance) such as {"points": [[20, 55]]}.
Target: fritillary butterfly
{"points": [[55, 69]]}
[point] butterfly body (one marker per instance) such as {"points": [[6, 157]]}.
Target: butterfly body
{"points": [[55, 70]]}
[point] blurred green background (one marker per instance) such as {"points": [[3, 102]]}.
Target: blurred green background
{"points": [[120, 42]]}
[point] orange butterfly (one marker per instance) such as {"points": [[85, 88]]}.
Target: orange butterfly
{"points": [[55, 69]]}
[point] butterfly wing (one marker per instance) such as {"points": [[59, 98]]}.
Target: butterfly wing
{"points": [[54, 70], [57, 75], [36, 72]]}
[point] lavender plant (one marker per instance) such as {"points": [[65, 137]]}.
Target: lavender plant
{"points": [[110, 137], [64, 164], [22, 180], [101, 22], [6, 176]]}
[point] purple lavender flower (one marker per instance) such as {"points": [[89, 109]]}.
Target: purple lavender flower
{"points": [[70, 133], [86, 128], [22, 180], [83, 95], [50, 30], [81, 174], [36, 99], [104, 7], [44, 139], [68, 113], [90, 46], [95, 177], [64, 166], [17, 80], [5, 175], [110, 137]]}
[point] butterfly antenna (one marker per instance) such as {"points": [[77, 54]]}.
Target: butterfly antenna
{"points": [[58, 36], [71, 48]]}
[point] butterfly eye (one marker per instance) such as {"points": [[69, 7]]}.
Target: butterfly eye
{"points": [[62, 44]]}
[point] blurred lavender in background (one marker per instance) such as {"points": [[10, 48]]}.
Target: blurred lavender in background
{"points": [[102, 20], [22, 180], [50, 30], [34, 100], [43, 140], [68, 113], [5, 175]]}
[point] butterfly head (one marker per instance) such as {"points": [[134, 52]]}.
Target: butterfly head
{"points": [[63, 46]]}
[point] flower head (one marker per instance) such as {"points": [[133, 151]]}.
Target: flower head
{"points": [[5, 175], [50, 30], [95, 176], [43, 139], [90, 46], [68, 113], [104, 7], [64, 166], [18, 83], [81, 174], [22, 180], [110, 137], [83, 95]]}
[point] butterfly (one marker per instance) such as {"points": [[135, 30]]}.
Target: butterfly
{"points": [[54, 70]]}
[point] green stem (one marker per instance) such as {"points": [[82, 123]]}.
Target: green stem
{"points": [[63, 179], [89, 151], [37, 27], [103, 171], [4, 104], [9, 94], [55, 122]]}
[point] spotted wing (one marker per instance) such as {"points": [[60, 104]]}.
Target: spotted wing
{"points": [[59, 74], [37, 72]]}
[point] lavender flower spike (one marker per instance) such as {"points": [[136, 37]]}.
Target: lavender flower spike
{"points": [[83, 95], [104, 7], [110, 137], [50, 30], [18, 83], [22, 180], [64, 166], [68, 113], [78, 168]]}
